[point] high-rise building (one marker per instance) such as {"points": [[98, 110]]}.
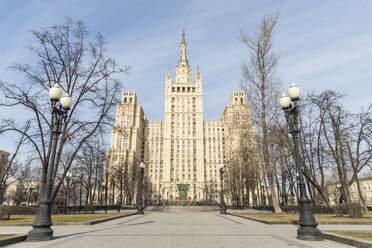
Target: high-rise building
{"points": [[183, 152]]}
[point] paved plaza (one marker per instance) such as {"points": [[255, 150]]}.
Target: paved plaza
{"points": [[177, 229]]}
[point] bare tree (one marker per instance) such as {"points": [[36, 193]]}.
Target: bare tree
{"points": [[262, 86], [359, 147], [9, 167], [313, 147], [211, 194], [336, 129], [23, 178], [92, 159], [67, 57]]}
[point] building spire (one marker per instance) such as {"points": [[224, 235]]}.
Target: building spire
{"points": [[198, 78], [183, 48], [183, 70], [183, 36], [169, 72]]}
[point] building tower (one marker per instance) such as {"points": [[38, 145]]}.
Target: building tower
{"points": [[183, 152], [183, 133]]}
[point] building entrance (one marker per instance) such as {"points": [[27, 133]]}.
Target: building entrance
{"points": [[182, 190]]}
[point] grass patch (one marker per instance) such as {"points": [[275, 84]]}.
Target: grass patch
{"points": [[366, 235], [59, 218], [6, 235], [320, 218]]}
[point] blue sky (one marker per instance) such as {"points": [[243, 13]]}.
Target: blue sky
{"points": [[322, 44]]}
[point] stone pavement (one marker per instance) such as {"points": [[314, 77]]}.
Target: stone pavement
{"points": [[175, 229]]}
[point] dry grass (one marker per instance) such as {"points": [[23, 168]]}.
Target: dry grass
{"points": [[6, 235], [58, 218], [320, 218], [367, 235]]}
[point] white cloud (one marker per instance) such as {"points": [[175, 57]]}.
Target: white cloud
{"points": [[323, 44]]}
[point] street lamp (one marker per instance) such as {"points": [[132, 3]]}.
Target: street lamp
{"points": [[308, 226], [68, 179], [223, 205], [140, 207], [195, 199], [31, 188], [263, 197], [41, 230]]}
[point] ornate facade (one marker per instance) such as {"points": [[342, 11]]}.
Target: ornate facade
{"points": [[183, 152]]}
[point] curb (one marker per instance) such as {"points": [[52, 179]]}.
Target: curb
{"points": [[263, 221], [347, 240], [13, 239], [295, 222], [93, 222], [326, 235], [23, 237], [344, 223]]}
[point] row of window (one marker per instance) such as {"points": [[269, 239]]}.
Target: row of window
{"points": [[183, 89]]}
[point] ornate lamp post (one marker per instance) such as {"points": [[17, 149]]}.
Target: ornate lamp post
{"points": [[223, 205], [140, 207], [41, 230], [68, 180], [308, 226]]}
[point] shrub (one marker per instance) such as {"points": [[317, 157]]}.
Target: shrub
{"points": [[340, 210], [7, 211], [90, 209], [356, 210], [4, 212], [269, 208]]}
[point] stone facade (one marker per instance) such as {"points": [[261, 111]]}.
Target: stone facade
{"points": [[3, 161], [365, 184], [183, 152]]}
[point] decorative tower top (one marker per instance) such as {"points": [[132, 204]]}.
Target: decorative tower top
{"points": [[168, 79], [198, 78], [169, 73], [183, 70], [183, 49], [183, 36], [237, 98]]}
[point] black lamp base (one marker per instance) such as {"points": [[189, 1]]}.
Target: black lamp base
{"points": [[223, 212], [309, 233], [40, 234]]}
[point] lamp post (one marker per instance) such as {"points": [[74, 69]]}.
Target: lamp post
{"points": [[41, 230], [81, 189], [195, 192], [140, 207], [308, 226], [68, 179], [30, 195], [204, 200], [263, 198], [223, 205]]}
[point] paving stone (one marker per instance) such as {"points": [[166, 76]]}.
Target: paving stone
{"points": [[176, 229]]}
